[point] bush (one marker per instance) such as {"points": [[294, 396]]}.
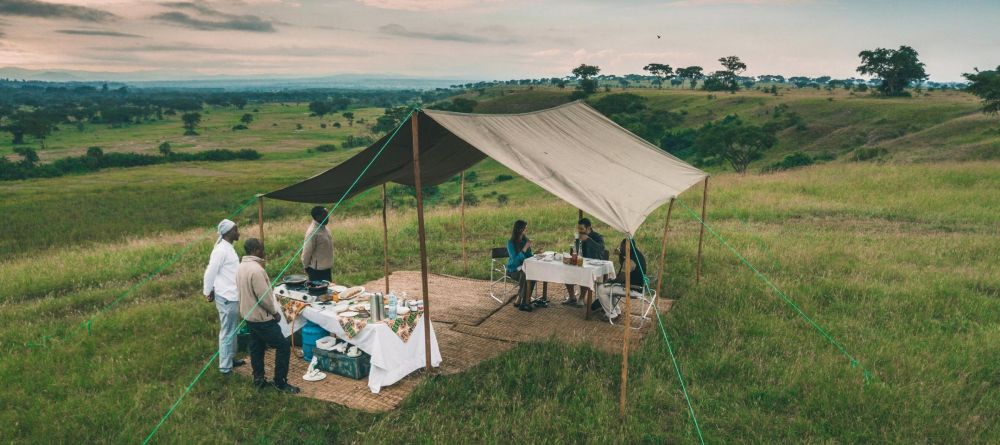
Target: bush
{"points": [[326, 148], [238, 127], [357, 141], [96, 159], [794, 160], [502, 199], [502, 178], [471, 200], [866, 154], [166, 149]]}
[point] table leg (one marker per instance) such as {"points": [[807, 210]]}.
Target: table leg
{"points": [[545, 290], [590, 295]]}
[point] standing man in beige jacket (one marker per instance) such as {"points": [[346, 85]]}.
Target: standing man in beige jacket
{"points": [[317, 252], [258, 308]]}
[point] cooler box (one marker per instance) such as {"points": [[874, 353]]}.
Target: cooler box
{"points": [[340, 364], [310, 333]]}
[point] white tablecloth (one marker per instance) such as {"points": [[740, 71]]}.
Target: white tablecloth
{"points": [[392, 359], [554, 271]]}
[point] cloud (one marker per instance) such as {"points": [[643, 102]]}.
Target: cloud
{"points": [[424, 5], [401, 31], [34, 8], [736, 2], [289, 51], [212, 19], [96, 32]]}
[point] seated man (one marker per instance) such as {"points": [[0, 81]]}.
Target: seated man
{"points": [[616, 287], [591, 246], [261, 314]]}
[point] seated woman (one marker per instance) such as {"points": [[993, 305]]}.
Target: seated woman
{"points": [[605, 291], [519, 249]]}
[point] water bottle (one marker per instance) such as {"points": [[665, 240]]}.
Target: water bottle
{"points": [[392, 306]]}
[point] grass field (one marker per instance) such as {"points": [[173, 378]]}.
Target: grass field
{"points": [[898, 261]]}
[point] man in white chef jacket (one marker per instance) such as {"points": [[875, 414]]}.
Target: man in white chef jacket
{"points": [[220, 287]]}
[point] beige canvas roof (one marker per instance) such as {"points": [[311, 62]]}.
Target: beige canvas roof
{"points": [[571, 151]]}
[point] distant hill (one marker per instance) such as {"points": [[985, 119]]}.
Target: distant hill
{"points": [[173, 79]]}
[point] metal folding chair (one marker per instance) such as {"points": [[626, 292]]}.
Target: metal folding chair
{"points": [[499, 267], [646, 296]]}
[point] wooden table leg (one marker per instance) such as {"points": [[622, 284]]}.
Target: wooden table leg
{"points": [[545, 290]]}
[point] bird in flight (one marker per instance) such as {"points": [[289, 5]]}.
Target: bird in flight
{"points": [[657, 36]]}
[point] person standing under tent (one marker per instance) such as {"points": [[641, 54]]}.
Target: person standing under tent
{"points": [[591, 246], [317, 251], [259, 309], [219, 285]]}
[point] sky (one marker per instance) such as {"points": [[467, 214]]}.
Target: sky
{"points": [[491, 39]]}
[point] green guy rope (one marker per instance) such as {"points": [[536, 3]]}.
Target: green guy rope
{"points": [[87, 323], [670, 349], [278, 276], [866, 374]]}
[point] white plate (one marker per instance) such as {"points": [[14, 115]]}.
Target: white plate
{"points": [[338, 289], [348, 314]]}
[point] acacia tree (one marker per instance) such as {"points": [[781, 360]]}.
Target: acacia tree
{"points": [[727, 79], [895, 68], [350, 118], [986, 85], [191, 121], [737, 143], [247, 118], [586, 86], [692, 73], [662, 71]]}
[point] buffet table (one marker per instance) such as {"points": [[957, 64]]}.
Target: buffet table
{"points": [[392, 357]]}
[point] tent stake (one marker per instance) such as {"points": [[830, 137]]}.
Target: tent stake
{"points": [[701, 235], [385, 238], [663, 250], [465, 258], [260, 218], [627, 270], [423, 238]]}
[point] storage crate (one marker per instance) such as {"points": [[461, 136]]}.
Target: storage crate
{"points": [[340, 364]]}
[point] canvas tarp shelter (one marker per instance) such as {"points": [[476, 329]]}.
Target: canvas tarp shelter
{"points": [[571, 151]]}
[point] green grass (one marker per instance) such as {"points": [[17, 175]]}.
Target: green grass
{"points": [[898, 262]]}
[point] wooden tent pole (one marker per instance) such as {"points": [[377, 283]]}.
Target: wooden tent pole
{"points": [[385, 237], [260, 218], [663, 250], [627, 270], [701, 234], [423, 239], [465, 258], [579, 214]]}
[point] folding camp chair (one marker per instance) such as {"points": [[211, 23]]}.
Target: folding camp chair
{"points": [[499, 267], [646, 296]]}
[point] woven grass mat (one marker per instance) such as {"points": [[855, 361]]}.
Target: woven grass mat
{"points": [[452, 299], [459, 352], [561, 323], [471, 327]]}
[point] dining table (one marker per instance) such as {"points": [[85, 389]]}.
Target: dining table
{"points": [[550, 267]]}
